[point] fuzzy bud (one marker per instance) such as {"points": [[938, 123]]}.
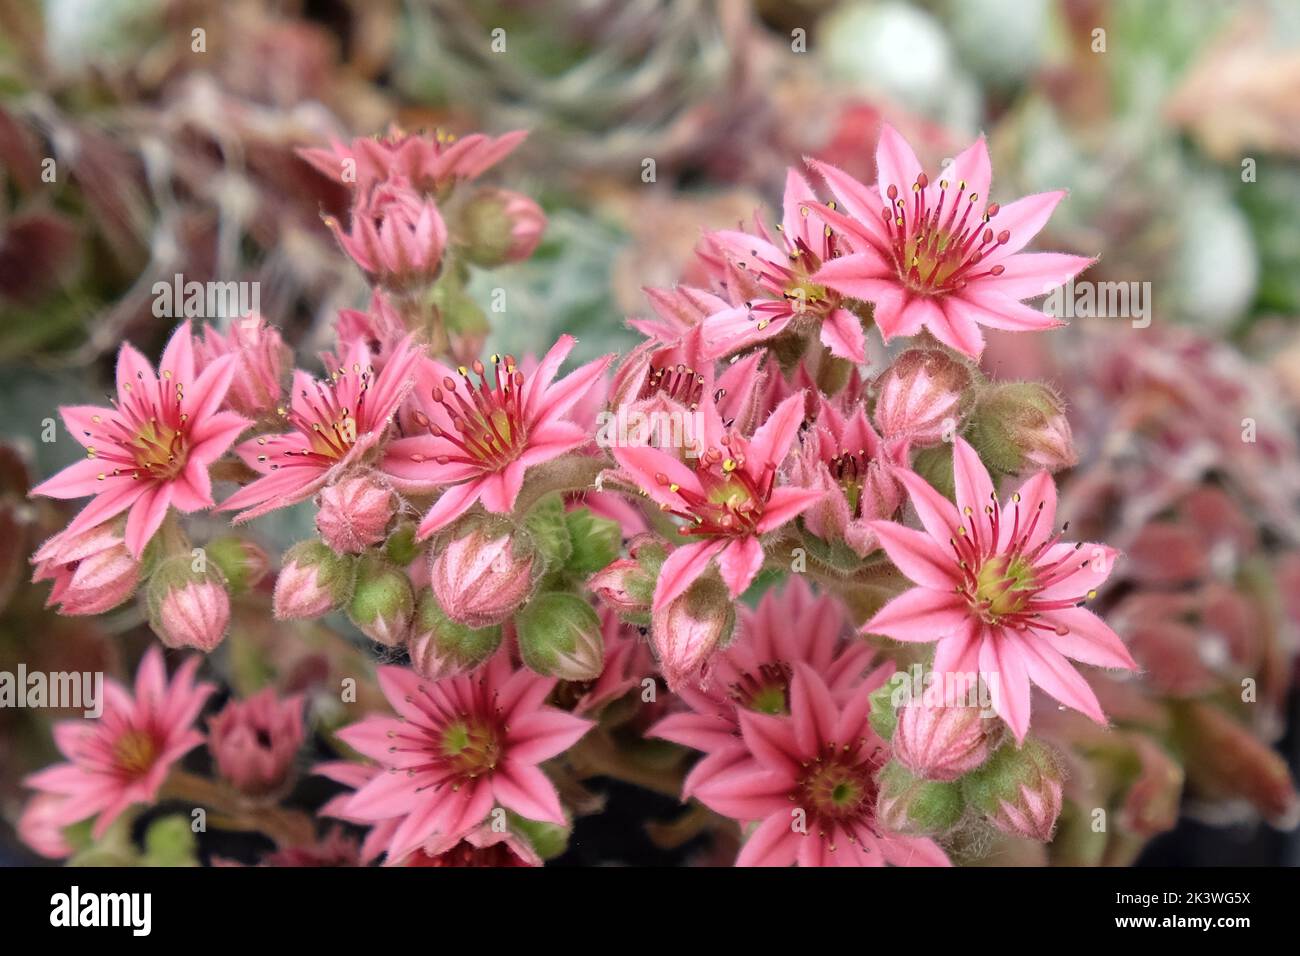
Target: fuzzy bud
{"points": [[382, 604], [242, 562], [397, 236], [354, 513], [1018, 426], [1019, 790], [440, 647], [313, 581], [910, 805], [188, 607], [92, 571], [261, 357], [940, 743], [483, 570], [498, 226], [254, 741], [688, 630], [920, 397], [560, 636]]}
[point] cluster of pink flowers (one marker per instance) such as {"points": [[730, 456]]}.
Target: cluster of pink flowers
{"points": [[545, 586]]}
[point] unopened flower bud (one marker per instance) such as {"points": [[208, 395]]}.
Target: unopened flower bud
{"points": [[261, 358], [560, 636], [354, 513], [382, 604], [188, 607], [907, 804], [627, 585], [483, 570], [689, 629], [1017, 426], [940, 743], [498, 226], [92, 571], [313, 581], [242, 562], [1019, 790], [255, 741], [920, 396], [440, 647], [624, 586], [396, 236]]}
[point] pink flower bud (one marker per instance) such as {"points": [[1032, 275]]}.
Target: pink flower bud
{"points": [[1017, 426], [483, 571], [687, 631], [397, 236], [1019, 790], [354, 513], [919, 397], [498, 226], [940, 743], [254, 741], [189, 605], [313, 581], [440, 647], [623, 586], [261, 359], [92, 571]]}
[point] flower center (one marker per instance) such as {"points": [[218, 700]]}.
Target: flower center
{"points": [[850, 470], [487, 418], [839, 785], [677, 383], [733, 499], [134, 753], [328, 424], [1004, 585], [149, 434], [766, 692], [470, 747], [933, 256], [160, 449], [1004, 581]]}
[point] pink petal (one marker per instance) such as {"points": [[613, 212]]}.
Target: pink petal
{"points": [[1024, 219], [499, 489], [774, 843], [451, 504], [896, 164], [527, 791], [1003, 668], [1053, 673], [938, 515], [682, 568], [146, 517], [771, 443], [974, 491], [812, 709], [921, 615], [957, 328], [1028, 275], [1088, 639], [543, 734], [786, 504], [739, 562], [990, 307], [842, 333], [917, 555]]}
